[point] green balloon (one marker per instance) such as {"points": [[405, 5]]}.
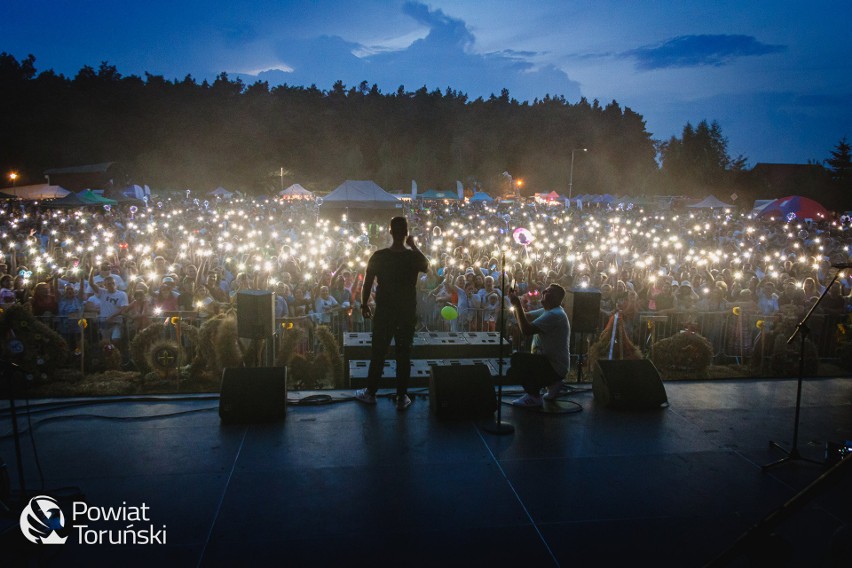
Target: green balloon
{"points": [[449, 313]]}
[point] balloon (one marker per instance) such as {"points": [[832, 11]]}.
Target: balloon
{"points": [[522, 236], [449, 313]]}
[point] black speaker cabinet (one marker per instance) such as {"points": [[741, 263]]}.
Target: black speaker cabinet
{"points": [[461, 391], [585, 310], [251, 395], [628, 385], [255, 314]]}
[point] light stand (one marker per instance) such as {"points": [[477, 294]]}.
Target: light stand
{"points": [[498, 426], [13, 371], [580, 357], [571, 177], [802, 331]]}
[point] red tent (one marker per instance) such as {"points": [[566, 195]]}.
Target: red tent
{"points": [[802, 207]]}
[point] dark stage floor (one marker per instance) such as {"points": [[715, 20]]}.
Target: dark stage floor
{"points": [[349, 485]]}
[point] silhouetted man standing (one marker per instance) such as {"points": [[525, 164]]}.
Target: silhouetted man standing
{"points": [[396, 269]]}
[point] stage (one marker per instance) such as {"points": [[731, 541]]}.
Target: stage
{"points": [[347, 484]]}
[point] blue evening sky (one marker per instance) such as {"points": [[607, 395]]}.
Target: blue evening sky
{"points": [[776, 75]]}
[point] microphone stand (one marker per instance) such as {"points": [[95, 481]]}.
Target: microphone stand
{"points": [[802, 331], [498, 426]]}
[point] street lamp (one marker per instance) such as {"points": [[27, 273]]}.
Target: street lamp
{"points": [[571, 177], [13, 177]]}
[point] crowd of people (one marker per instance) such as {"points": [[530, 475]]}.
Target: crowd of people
{"points": [[127, 264]]}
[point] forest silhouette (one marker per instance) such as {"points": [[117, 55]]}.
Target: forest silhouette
{"points": [[178, 134]]}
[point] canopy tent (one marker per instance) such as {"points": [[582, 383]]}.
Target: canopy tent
{"points": [[37, 192], [89, 197], [605, 198], [801, 207], [439, 194], [295, 191], [127, 194], [360, 194], [70, 200], [709, 202], [760, 205], [221, 192], [481, 196], [551, 197]]}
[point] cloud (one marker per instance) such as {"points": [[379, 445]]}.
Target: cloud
{"points": [[444, 57], [236, 34], [443, 29], [699, 50], [514, 53]]}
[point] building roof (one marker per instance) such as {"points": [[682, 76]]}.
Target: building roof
{"points": [[88, 169]]}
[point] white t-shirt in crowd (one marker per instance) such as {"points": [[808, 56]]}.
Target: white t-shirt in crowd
{"points": [[111, 302]]}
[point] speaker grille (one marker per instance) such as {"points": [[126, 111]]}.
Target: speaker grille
{"points": [[462, 391], [255, 314], [628, 385], [251, 395], [585, 310]]}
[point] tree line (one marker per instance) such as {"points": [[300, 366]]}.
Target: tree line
{"points": [[177, 134]]}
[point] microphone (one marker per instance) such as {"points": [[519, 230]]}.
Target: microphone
{"points": [[842, 266]]}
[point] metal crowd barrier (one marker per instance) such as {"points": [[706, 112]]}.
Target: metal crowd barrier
{"points": [[734, 336]]}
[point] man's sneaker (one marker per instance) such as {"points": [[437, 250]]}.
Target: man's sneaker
{"points": [[553, 391], [365, 396], [403, 402], [527, 401]]}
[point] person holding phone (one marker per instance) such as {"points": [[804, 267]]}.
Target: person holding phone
{"points": [[551, 333]]}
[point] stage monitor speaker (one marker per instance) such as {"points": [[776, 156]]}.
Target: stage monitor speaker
{"points": [[255, 314], [585, 310], [461, 391], [252, 395], [629, 385]]}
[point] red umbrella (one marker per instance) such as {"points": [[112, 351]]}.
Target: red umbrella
{"points": [[801, 207]]}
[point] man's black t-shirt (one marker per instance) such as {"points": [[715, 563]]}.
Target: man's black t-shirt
{"points": [[396, 274]]}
